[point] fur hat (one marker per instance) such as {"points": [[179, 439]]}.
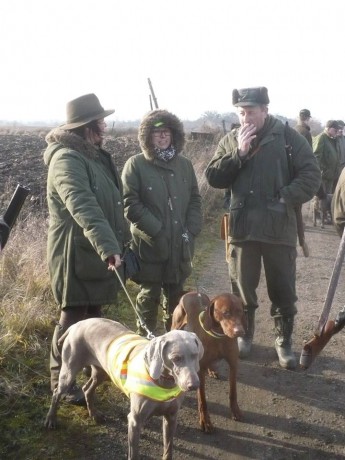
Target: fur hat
{"points": [[160, 119], [84, 109], [250, 96]]}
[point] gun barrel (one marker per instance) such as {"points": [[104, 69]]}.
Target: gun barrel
{"points": [[16, 204]]}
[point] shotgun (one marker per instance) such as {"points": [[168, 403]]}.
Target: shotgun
{"points": [[9, 218], [326, 329], [152, 95], [298, 209]]}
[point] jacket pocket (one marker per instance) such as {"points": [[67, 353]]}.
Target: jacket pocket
{"points": [[276, 219], [237, 224], [155, 252], [88, 264]]}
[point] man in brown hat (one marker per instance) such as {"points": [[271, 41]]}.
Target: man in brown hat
{"points": [[262, 227], [87, 229], [303, 127], [325, 150]]}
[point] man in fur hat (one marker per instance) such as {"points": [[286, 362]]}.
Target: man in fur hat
{"points": [[252, 162]]}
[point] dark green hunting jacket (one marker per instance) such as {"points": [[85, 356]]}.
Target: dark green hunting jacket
{"points": [[86, 220], [162, 202], [259, 181]]}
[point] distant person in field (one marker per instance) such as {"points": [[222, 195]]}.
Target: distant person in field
{"points": [[163, 205], [341, 144], [303, 127], [325, 150], [87, 228], [251, 161]]}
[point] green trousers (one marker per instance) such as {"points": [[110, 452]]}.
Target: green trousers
{"points": [[149, 299], [279, 262]]}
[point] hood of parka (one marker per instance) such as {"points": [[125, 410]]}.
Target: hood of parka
{"points": [[58, 138], [166, 120]]}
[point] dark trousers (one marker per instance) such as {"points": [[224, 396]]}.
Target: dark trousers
{"points": [[149, 299], [68, 316], [279, 263]]}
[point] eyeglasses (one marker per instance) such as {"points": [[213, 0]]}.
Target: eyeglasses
{"points": [[161, 132]]}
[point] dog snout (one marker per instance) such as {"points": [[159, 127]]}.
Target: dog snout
{"points": [[192, 384], [188, 382], [233, 330], [239, 331]]}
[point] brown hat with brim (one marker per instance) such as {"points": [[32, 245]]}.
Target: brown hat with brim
{"points": [[84, 109]]}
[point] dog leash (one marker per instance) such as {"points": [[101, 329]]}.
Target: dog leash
{"points": [[185, 238], [143, 325]]}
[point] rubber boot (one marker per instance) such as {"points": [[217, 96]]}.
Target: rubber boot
{"points": [[245, 342], [75, 395], [283, 342]]}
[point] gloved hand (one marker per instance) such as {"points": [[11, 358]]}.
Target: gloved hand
{"points": [[114, 262]]}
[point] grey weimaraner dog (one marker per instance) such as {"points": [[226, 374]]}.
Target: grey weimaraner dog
{"points": [[170, 361]]}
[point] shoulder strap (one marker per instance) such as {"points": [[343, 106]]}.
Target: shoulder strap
{"points": [[288, 149]]}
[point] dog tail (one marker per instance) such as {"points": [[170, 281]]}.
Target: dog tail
{"points": [[62, 338]]}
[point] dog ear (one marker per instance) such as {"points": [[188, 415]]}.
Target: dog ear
{"points": [[154, 358], [209, 321], [200, 346]]}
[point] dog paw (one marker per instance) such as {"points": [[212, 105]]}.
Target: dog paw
{"points": [[237, 414], [98, 416], [206, 426], [50, 423], [213, 374]]}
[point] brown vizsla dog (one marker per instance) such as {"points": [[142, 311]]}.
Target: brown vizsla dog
{"points": [[217, 323]]}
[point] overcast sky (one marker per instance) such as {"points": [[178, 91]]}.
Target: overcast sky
{"points": [[194, 52]]}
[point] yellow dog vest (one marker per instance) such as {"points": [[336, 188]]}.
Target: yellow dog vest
{"points": [[130, 374]]}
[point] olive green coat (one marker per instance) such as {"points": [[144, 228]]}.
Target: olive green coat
{"points": [[338, 204], [259, 181], [86, 220], [325, 150], [162, 202]]}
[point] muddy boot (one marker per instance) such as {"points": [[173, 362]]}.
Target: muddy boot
{"points": [[75, 395], [245, 342], [283, 331]]}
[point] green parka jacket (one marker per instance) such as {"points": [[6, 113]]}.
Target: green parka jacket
{"points": [[325, 150], [258, 181], [162, 202], [86, 220]]}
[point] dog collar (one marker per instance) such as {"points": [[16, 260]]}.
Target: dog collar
{"points": [[214, 334]]}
